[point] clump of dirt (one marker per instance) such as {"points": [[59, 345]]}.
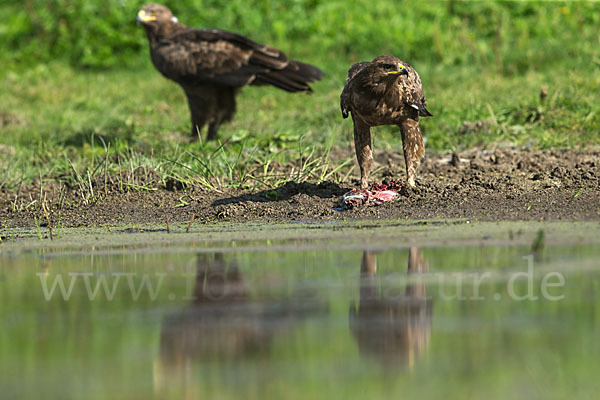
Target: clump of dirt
{"points": [[503, 184]]}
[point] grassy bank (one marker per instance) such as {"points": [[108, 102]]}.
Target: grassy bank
{"points": [[483, 66]]}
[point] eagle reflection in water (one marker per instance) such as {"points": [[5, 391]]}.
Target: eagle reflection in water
{"points": [[393, 329], [228, 320]]}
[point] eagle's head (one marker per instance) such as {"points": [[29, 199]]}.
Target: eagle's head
{"points": [[153, 16], [388, 67]]}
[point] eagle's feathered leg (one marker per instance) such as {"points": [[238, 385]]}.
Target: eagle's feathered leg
{"points": [[199, 112], [224, 112], [213, 130], [412, 144], [364, 153]]}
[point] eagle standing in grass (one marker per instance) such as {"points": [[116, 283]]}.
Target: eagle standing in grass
{"points": [[213, 65], [385, 91]]}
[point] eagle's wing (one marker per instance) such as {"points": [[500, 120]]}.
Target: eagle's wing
{"points": [[345, 97], [345, 101], [356, 68], [194, 56], [413, 93]]}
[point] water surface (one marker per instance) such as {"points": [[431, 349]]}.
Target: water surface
{"points": [[300, 318]]}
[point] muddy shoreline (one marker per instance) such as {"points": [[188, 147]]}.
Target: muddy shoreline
{"points": [[502, 184]]}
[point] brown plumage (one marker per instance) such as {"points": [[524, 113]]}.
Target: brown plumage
{"points": [[385, 91], [212, 65], [394, 329]]}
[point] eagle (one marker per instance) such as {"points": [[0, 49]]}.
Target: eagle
{"points": [[385, 91], [212, 65]]}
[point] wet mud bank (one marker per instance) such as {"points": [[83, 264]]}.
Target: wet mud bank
{"points": [[503, 184]]}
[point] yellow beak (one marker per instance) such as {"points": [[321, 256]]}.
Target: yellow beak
{"points": [[143, 17], [400, 71]]}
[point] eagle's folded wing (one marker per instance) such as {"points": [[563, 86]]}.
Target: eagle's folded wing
{"points": [[413, 93], [197, 56], [194, 56]]}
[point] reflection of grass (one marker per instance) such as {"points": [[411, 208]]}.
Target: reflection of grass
{"points": [[128, 128]]}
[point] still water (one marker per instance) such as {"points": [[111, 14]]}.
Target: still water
{"points": [[456, 321]]}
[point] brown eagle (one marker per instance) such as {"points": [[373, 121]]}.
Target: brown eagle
{"points": [[212, 65], [385, 91]]}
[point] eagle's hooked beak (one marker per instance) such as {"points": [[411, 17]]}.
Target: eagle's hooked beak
{"points": [[143, 17], [400, 71]]}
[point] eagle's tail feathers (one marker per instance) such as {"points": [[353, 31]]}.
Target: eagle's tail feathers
{"points": [[295, 77]]}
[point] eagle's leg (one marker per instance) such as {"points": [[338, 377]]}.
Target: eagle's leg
{"points": [[364, 153], [198, 114], [414, 150], [213, 130], [197, 126], [224, 112]]}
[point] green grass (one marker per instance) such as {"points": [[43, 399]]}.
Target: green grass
{"points": [[482, 67]]}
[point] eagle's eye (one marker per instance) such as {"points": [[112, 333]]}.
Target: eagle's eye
{"points": [[389, 67], [153, 12]]}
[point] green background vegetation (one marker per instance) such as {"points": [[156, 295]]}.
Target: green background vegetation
{"points": [[80, 97]]}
